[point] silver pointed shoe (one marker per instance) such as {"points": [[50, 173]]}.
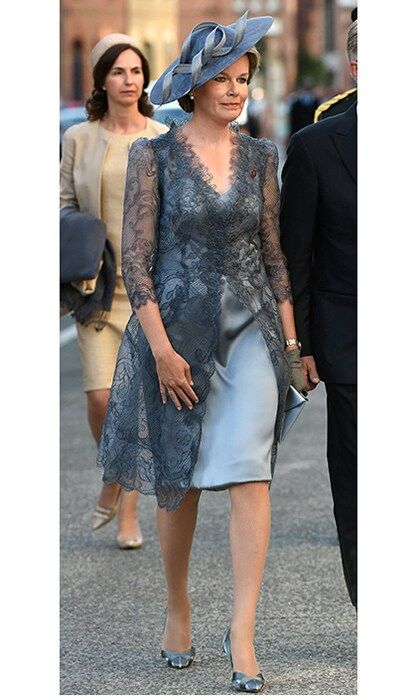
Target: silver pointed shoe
{"points": [[177, 659], [240, 681]]}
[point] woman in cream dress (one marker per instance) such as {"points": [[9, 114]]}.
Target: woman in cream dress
{"points": [[93, 170]]}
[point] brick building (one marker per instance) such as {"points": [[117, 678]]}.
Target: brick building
{"points": [[154, 24], [82, 24], [321, 29]]}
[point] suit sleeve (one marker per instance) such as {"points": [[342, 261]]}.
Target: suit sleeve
{"points": [[67, 191], [298, 209]]}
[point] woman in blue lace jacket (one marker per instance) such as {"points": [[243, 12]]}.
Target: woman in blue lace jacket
{"points": [[202, 374]]}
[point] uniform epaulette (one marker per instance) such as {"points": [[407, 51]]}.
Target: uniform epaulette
{"points": [[329, 103]]}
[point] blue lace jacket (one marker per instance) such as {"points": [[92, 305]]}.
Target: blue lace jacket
{"points": [[181, 239]]}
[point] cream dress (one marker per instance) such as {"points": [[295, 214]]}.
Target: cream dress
{"points": [[98, 349]]}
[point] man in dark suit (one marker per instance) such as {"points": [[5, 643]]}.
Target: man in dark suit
{"points": [[339, 103], [318, 222]]}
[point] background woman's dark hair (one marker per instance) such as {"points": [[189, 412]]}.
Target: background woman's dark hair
{"points": [[97, 103]]}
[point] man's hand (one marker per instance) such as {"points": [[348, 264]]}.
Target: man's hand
{"points": [[310, 372]]}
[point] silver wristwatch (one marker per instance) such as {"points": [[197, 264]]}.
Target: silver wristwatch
{"points": [[293, 341]]}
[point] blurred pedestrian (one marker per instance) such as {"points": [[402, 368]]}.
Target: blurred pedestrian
{"points": [[198, 397], [302, 107], [318, 224], [93, 168], [256, 108]]}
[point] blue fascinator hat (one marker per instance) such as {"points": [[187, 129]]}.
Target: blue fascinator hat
{"points": [[208, 49]]}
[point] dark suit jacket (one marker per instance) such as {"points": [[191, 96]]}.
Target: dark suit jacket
{"points": [[318, 224]]}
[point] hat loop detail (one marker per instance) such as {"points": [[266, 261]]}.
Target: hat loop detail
{"points": [[208, 50], [211, 49]]}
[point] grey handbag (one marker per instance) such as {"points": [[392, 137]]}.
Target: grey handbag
{"points": [[82, 242], [295, 403]]}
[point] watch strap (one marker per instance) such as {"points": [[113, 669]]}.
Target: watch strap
{"points": [[293, 341]]}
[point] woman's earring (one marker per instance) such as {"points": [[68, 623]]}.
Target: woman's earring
{"points": [[104, 88], [192, 95]]}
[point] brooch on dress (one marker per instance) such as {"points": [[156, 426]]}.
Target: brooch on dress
{"points": [[253, 173]]}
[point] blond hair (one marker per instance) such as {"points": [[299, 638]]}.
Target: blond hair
{"points": [[254, 59], [352, 42]]}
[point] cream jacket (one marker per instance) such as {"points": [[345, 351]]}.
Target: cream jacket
{"points": [[84, 150]]}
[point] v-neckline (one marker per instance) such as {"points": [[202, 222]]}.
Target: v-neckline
{"points": [[201, 169]]}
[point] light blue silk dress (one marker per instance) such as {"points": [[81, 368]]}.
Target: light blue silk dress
{"points": [[238, 428]]}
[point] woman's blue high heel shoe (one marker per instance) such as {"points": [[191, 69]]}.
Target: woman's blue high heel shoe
{"points": [[241, 682], [178, 659]]}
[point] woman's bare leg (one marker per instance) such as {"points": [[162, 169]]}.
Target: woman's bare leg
{"points": [[250, 526], [97, 404], [176, 532], [128, 527]]}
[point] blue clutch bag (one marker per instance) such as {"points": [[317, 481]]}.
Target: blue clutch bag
{"points": [[82, 242], [295, 403]]}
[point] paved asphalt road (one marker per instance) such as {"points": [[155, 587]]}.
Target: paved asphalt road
{"points": [[113, 601]]}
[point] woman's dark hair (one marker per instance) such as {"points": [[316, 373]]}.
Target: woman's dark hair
{"points": [[254, 58], [97, 103]]}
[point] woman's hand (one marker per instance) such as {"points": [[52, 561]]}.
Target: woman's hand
{"points": [[298, 377], [175, 379]]}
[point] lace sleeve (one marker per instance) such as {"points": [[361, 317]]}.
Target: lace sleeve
{"points": [[140, 220], [273, 257]]}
